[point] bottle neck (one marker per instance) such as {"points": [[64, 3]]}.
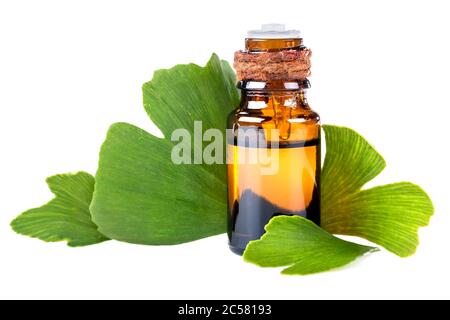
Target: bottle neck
{"points": [[274, 85], [276, 100]]}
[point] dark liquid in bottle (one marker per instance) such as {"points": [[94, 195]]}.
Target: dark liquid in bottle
{"points": [[286, 184]]}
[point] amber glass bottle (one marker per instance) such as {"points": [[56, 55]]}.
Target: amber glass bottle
{"points": [[274, 120]]}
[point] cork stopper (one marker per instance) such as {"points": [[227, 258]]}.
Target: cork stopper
{"points": [[277, 55]]}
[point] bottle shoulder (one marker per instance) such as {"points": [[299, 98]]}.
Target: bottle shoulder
{"points": [[292, 124], [297, 115]]}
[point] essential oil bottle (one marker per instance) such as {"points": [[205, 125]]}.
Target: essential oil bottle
{"points": [[274, 147]]}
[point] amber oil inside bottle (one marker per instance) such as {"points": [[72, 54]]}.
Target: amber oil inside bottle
{"points": [[273, 154]]}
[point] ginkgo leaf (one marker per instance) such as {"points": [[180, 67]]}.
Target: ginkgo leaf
{"points": [[350, 162], [388, 215], [177, 97], [303, 247], [66, 217], [141, 196]]}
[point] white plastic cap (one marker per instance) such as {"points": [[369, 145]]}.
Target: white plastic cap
{"points": [[273, 31]]}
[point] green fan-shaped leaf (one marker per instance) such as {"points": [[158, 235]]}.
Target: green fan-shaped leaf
{"points": [[388, 215], [177, 97], [350, 162], [66, 217], [140, 195], [302, 246]]}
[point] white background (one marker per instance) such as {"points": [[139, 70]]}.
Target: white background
{"points": [[68, 69]]}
